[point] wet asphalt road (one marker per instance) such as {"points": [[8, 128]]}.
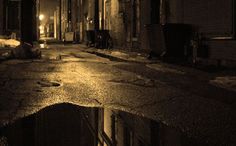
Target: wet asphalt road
{"points": [[67, 74]]}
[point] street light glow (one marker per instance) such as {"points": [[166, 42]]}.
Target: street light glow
{"points": [[41, 27], [41, 17]]}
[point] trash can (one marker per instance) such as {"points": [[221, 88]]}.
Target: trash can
{"points": [[69, 37], [90, 38], [77, 36]]}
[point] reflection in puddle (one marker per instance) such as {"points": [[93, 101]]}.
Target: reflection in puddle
{"points": [[70, 125]]}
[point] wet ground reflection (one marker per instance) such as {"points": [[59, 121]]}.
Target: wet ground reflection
{"points": [[70, 125]]}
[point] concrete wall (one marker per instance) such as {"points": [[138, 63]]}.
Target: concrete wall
{"points": [[74, 15], [64, 16], [116, 24], [90, 15], [145, 15]]}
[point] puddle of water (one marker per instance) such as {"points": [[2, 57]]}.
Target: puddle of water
{"points": [[111, 58], [48, 84], [70, 125]]}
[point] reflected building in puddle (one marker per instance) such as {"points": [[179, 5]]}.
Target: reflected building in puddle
{"points": [[70, 125], [117, 128]]}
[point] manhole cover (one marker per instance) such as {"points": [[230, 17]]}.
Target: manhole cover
{"points": [[49, 84]]}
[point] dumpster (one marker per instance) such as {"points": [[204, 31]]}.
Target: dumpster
{"points": [[103, 39], [177, 40], [168, 41], [77, 36], [153, 39]]}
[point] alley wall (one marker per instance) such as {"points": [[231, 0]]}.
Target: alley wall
{"points": [[1, 17]]}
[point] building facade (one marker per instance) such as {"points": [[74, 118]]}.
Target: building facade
{"points": [[1, 16], [139, 25], [19, 17], [125, 19], [10, 16], [213, 21]]}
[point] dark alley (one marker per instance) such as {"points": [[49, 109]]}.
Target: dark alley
{"points": [[117, 73]]}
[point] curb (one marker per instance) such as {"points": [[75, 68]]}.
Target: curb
{"points": [[117, 58]]}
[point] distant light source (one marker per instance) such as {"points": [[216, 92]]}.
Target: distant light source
{"points": [[41, 27], [41, 31], [41, 17]]}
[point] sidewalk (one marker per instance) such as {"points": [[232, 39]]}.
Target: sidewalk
{"points": [[222, 78], [119, 55]]}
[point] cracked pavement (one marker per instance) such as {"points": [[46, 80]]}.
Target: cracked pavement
{"points": [[179, 97]]}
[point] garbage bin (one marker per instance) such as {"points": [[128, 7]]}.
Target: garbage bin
{"points": [[90, 38], [77, 36], [69, 37]]}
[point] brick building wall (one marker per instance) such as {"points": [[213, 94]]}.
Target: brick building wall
{"points": [[211, 19], [119, 19], [1, 17]]}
